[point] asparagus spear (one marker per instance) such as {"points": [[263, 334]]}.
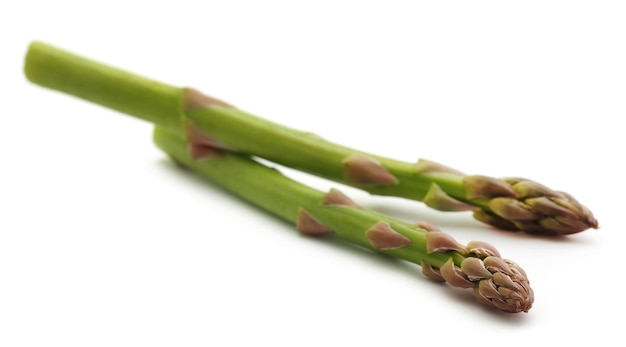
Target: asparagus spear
{"points": [[506, 203], [496, 282]]}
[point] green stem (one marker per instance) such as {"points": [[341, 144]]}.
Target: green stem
{"points": [[162, 104], [308, 152], [267, 188], [102, 84], [496, 282], [514, 204]]}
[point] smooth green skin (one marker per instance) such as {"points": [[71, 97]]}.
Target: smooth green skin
{"points": [[161, 104], [102, 84], [270, 190], [308, 152]]}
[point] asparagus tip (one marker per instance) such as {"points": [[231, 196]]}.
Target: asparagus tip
{"points": [[521, 204], [497, 282]]}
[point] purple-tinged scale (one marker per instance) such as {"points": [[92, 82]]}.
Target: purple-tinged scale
{"points": [[496, 221], [502, 280], [438, 241], [508, 289], [497, 302], [362, 170], [557, 226], [335, 197], [480, 297], [570, 203], [486, 187], [438, 199], [531, 189], [202, 145], [577, 223], [474, 269], [516, 270], [203, 152], [432, 273], [505, 306], [308, 225], [488, 289], [427, 166], [198, 137], [549, 207], [453, 275], [482, 249], [194, 99], [382, 236], [511, 209], [426, 226], [497, 264]]}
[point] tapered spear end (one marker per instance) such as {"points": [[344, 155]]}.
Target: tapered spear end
{"points": [[521, 204], [497, 282]]}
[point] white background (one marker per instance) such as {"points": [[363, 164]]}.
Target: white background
{"points": [[104, 243]]}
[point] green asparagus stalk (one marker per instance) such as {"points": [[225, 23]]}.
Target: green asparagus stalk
{"points": [[496, 282], [506, 203]]}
